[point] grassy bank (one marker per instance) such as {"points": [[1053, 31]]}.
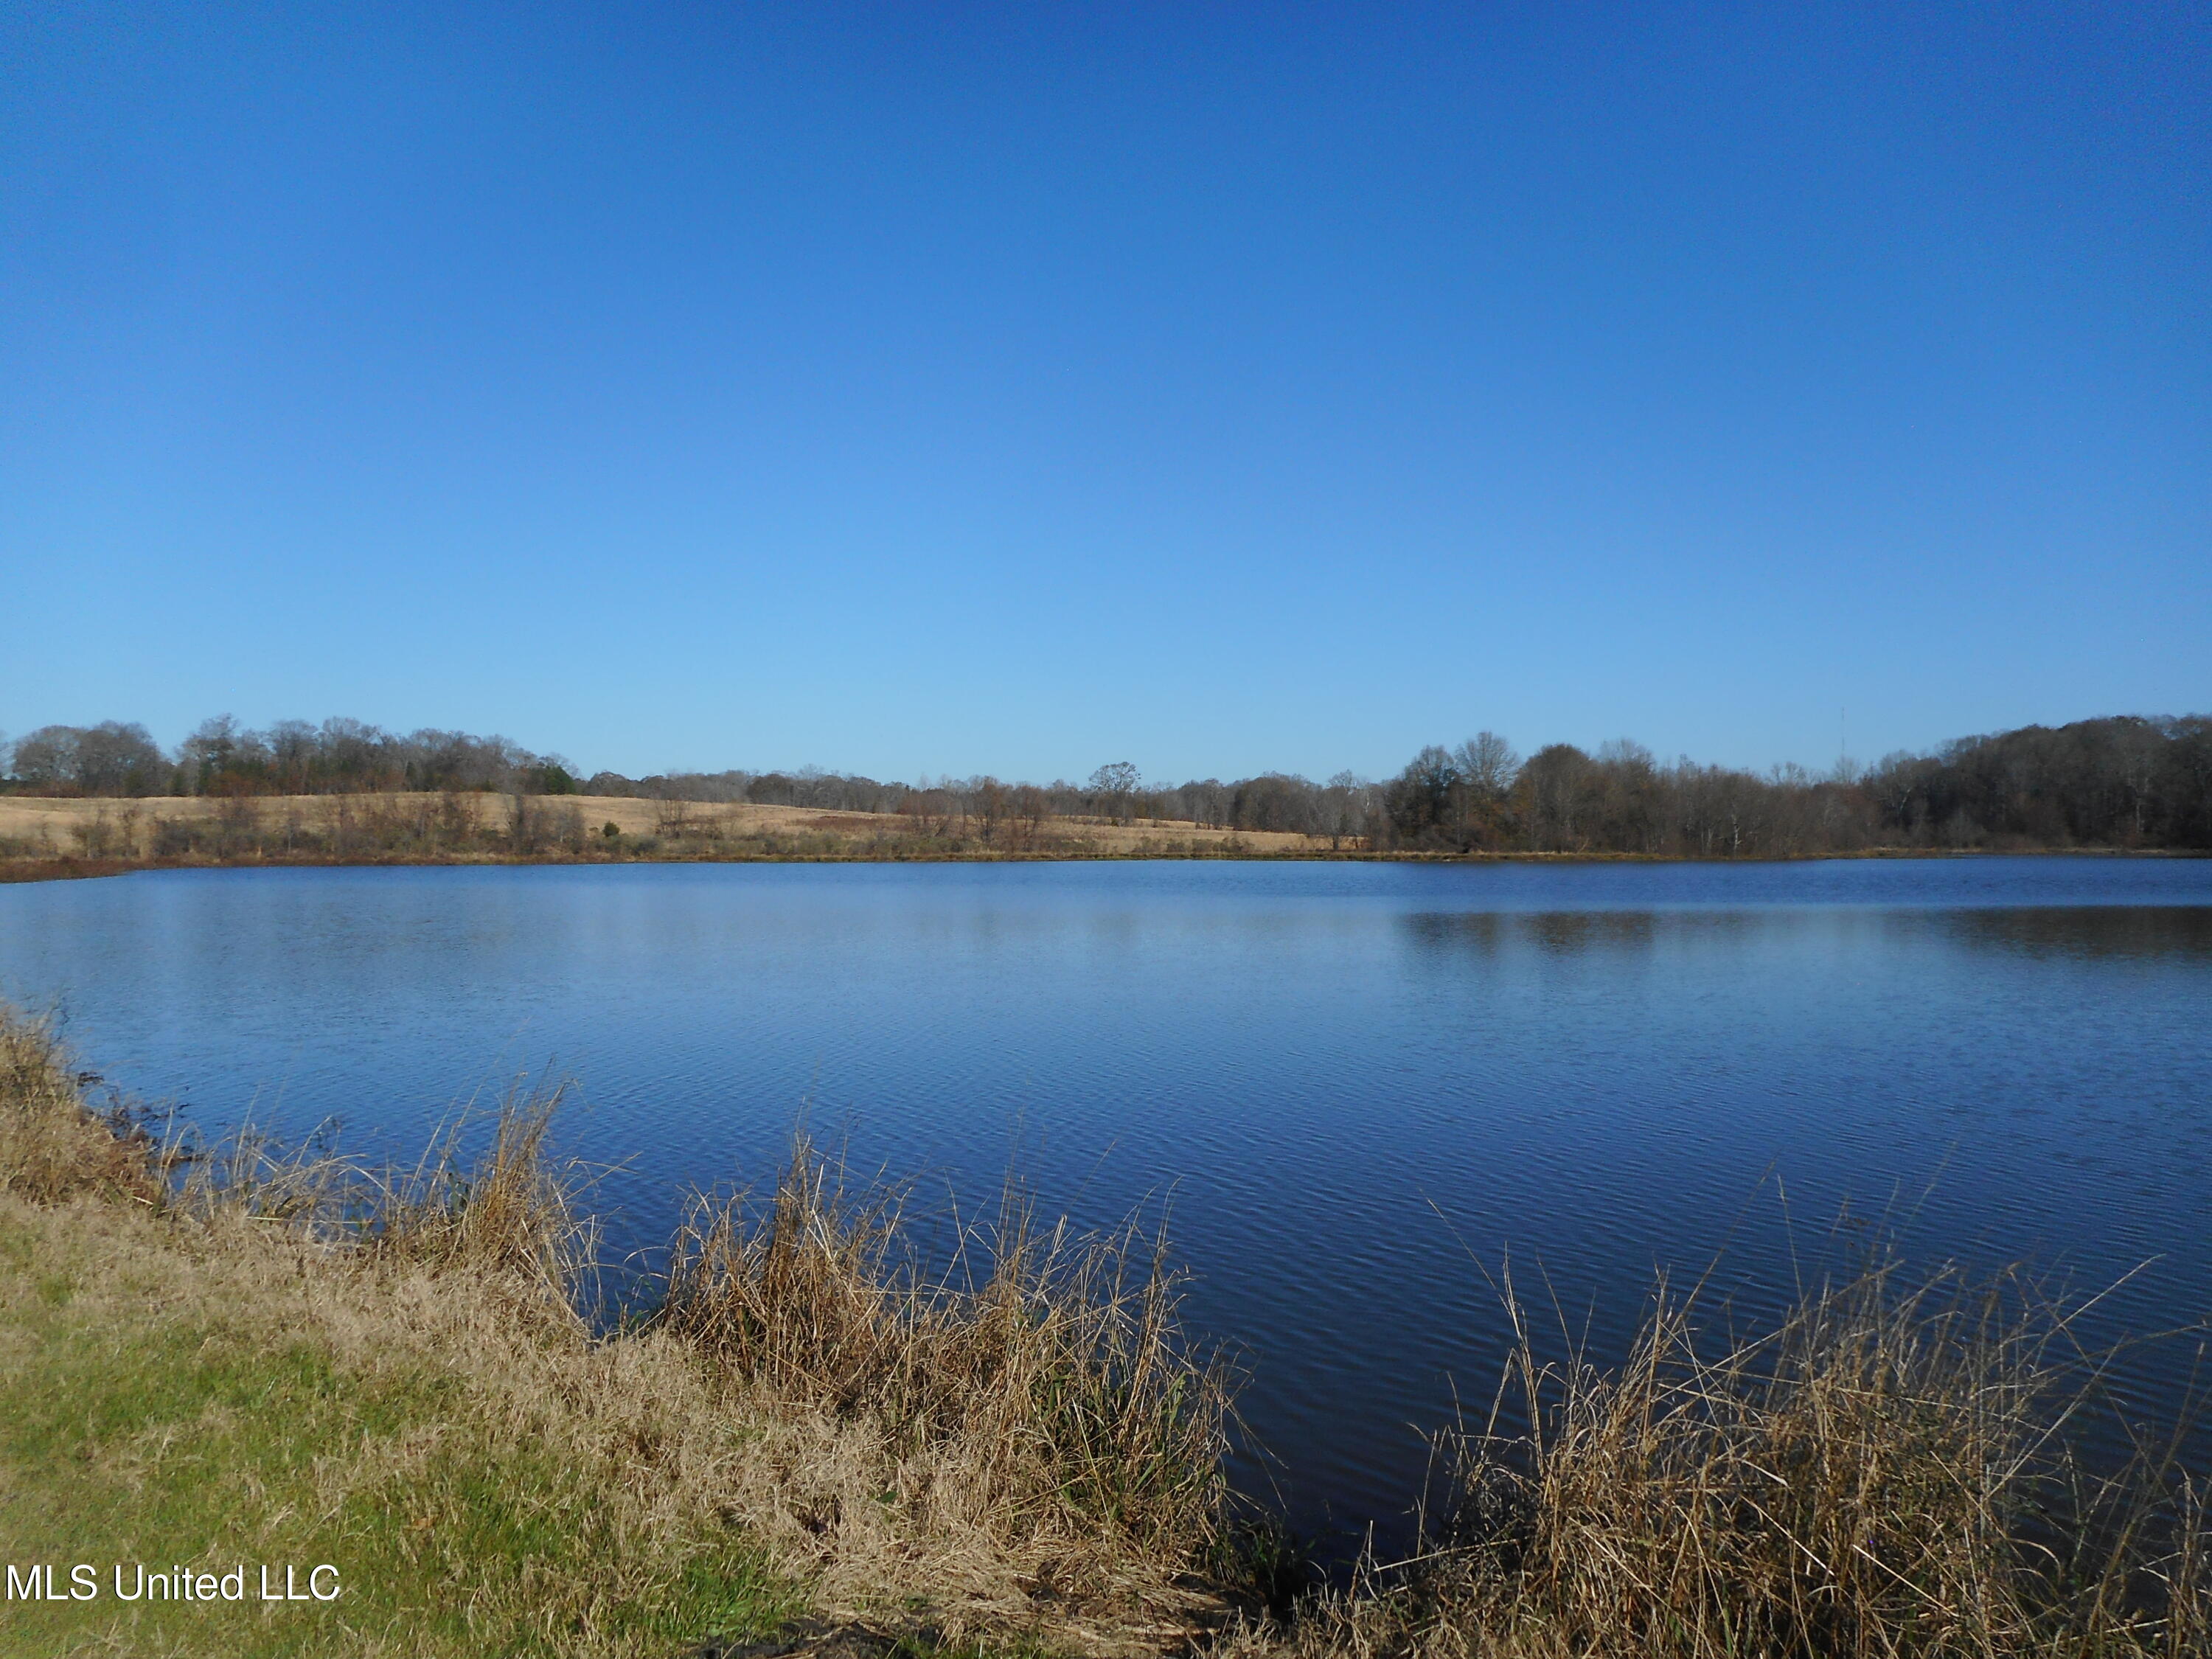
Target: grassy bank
{"points": [[258, 1359], [252, 1359]]}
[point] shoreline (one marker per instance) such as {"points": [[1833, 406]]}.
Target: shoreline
{"points": [[67, 868], [797, 1429], [53, 837]]}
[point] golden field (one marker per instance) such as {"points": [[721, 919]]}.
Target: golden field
{"points": [[439, 827]]}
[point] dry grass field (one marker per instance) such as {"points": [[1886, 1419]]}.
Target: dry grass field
{"points": [[375, 828]]}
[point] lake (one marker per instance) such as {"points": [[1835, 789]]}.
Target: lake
{"points": [[1356, 1088]]}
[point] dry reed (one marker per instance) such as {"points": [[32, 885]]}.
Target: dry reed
{"points": [[510, 1216], [52, 1145], [1050, 1396], [1884, 1473]]}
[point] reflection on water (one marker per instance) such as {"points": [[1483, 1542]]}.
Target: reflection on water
{"points": [[2113, 931], [2146, 934], [1347, 1080]]}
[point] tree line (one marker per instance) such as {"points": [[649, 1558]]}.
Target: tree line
{"points": [[291, 757], [2126, 781]]}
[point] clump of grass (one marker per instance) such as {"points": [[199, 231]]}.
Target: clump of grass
{"points": [[1884, 1473], [52, 1145], [1036, 1391], [514, 1213], [509, 1216]]}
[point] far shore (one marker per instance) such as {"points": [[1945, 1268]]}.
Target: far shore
{"points": [[60, 839]]}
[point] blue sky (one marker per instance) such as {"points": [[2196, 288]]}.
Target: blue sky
{"points": [[949, 389]]}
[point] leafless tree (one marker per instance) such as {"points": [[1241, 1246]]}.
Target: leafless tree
{"points": [[1114, 788]]}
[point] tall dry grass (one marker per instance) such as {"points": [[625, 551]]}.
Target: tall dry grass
{"points": [[511, 1211], [1884, 1471], [1035, 1389], [53, 1145], [510, 1214]]}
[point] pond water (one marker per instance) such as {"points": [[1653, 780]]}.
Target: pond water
{"points": [[1358, 1088]]}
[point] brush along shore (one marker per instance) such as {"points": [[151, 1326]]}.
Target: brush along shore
{"points": [[256, 1358], [57, 838]]}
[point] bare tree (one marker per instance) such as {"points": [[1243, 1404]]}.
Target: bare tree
{"points": [[1115, 787]]}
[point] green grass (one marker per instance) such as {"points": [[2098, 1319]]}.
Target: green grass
{"points": [[131, 1432]]}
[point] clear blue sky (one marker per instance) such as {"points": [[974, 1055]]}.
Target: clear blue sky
{"points": [[917, 389]]}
